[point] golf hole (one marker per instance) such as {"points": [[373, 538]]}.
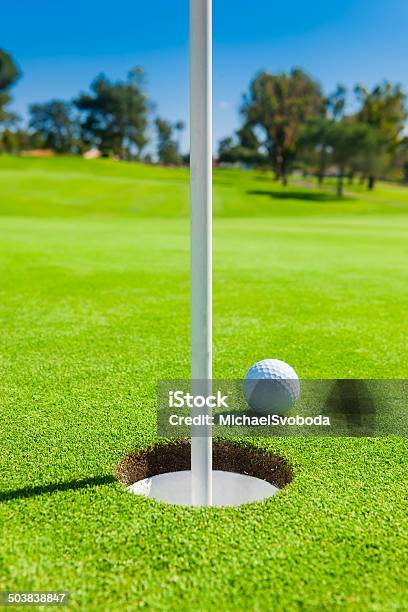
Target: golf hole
{"points": [[241, 474]]}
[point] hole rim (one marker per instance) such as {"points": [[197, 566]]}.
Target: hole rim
{"points": [[175, 456]]}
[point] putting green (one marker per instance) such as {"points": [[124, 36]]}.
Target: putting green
{"points": [[94, 309]]}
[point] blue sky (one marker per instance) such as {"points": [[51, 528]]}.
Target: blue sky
{"points": [[61, 46]]}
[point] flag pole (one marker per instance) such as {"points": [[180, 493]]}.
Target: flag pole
{"points": [[201, 239]]}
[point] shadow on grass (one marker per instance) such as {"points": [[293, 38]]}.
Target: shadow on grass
{"points": [[309, 196], [70, 485]]}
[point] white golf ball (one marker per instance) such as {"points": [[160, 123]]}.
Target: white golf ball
{"points": [[271, 386]]}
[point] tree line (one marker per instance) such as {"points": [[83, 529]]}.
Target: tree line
{"points": [[112, 117], [288, 123]]}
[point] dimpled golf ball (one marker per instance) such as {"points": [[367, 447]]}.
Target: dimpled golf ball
{"points": [[271, 386]]}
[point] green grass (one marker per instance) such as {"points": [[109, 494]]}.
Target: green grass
{"points": [[95, 309]]}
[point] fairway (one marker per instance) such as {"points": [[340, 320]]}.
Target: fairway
{"points": [[94, 266]]}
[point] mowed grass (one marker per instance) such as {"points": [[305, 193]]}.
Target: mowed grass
{"points": [[95, 310]]}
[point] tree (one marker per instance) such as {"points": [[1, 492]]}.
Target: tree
{"points": [[179, 126], [247, 138], [14, 141], [9, 74], [383, 109], [335, 103], [314, 134], [115, 115], [244, 148], [57, 125], [279, 105], [345, 138], [401, 160], [313, 145], [372, 157], [167, 147], [225, 146]]}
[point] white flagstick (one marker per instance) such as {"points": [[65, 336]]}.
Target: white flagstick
{"points": [[201, 236]]}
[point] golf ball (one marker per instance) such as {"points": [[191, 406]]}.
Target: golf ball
{"points": [[271, 386]]}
